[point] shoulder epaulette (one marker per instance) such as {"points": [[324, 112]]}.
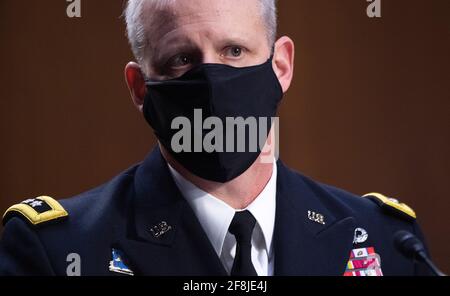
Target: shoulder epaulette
{"points": [[392, 205], [36, 210]]}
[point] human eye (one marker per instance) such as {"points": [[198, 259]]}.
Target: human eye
{"points": [[233, 52], [176, 65], [179, 61]]}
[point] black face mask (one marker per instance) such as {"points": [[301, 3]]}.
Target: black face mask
{"points": [[221, 91]]}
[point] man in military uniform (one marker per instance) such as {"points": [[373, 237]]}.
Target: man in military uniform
{"points": [[196, 212]]}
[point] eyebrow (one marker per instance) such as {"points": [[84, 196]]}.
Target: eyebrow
{"points": [[235, 41]]}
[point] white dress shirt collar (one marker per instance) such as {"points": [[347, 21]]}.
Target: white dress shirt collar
{"points": [[215, 216]]}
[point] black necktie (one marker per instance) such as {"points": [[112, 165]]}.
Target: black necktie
{"points": [[242, 227]]}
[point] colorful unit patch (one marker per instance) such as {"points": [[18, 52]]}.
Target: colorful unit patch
{"points": [[117, 264]]}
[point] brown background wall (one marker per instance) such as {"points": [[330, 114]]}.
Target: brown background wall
{"points": [[368, 110]]}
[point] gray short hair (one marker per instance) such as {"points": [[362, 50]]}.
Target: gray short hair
{"points": [[137, 38]]}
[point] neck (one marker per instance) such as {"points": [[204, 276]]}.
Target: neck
{"points": [[237, 193]]}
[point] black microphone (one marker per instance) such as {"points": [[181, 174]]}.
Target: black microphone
{"points": [[411, 247]]}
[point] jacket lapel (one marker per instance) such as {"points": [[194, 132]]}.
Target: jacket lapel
{"points": [[303, 246], [182, 247]]}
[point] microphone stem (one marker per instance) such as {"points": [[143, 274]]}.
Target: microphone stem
{"points": [[430, 264]]}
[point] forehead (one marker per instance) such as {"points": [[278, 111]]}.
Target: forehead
{"points": [[202, 18]]}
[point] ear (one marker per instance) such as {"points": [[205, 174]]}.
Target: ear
{"points": [[283, 61], [136, 84]]}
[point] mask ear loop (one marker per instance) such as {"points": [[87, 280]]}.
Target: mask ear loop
{"points": [[272, 52]]}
